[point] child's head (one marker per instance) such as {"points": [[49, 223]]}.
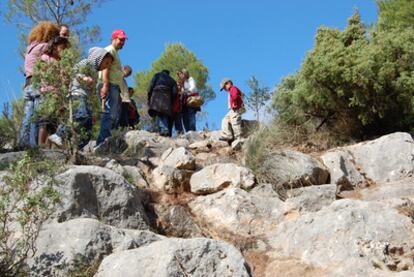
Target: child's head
{"points": [[56, 46], [106, 62], [183, 74], [226, 84], [127, 71], [44, 31], [131, 91]]}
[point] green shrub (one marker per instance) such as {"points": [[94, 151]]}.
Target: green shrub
{"points": [[23, 207], [354, 83]]}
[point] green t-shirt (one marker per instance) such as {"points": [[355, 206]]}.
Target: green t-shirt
{"points": [[116, 75]]}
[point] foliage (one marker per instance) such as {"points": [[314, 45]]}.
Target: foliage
{"points": [[174, 58], [53, 79], [27, 198], [362, 83], [26, 13], [258, 98], [10, 121], [395, 14]]}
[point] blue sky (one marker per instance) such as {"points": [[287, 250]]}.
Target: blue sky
{"points": [[234, 38]]}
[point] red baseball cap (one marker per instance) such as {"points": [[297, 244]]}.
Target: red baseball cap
{"points": [[119, 34]]}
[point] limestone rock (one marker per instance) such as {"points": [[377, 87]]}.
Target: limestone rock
{"points": [[95, 192], [220, 176], [348, 234], [176, 221], [389, 158], [81, 240], [177, 257], [171, 180], [311, 199], [294, 169], [178, 158], [236, 214], [135, 175]]}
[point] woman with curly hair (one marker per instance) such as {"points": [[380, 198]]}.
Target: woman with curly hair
{"points": [[38, 40]]}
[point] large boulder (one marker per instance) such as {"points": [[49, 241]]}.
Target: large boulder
{"points": [[178, 158], [348, 234], [96, 192], [177, 257], [389, 158], [217, 177], [62, 246], [293, 169], [237, 215]]}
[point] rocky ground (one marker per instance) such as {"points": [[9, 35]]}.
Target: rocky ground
{"points": [[153, 206]]}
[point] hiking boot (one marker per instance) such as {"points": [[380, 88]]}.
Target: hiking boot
{"points": [[237, 144], [55, 139]]}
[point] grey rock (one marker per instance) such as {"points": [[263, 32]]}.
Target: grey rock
{"points": [[178, 158], [145, 144], [136, 175], [311, 199], [116, 167], [176, 221], [217, 177], [397, 189], [234, 214], [6, 159], [170, 180], [177, 257], [194, 136], [389, 158], [264, 190], [60, 246], [341, 166], [95, 192], [348, 234], [294, 169]]}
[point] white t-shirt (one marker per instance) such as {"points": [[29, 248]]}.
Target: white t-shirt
{"points": [[190, 85]]}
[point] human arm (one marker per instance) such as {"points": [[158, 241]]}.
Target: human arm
{"points": [[105, 80]]}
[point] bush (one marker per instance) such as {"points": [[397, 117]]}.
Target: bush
{"points": [[23, 208], [10, 122], [353, 83]]}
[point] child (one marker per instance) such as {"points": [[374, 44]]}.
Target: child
{"points": [[133, 115], [82, 88], [231, 124], [125, 98], [52, 54]]}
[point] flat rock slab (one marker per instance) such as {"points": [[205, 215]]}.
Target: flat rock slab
{"points": [[389, 158], [177, 257], [61, 245], [217, 177]]}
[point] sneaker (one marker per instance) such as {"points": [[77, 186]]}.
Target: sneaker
{"points": [[55, 139]]}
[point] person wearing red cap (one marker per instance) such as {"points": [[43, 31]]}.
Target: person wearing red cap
{"points": [[110, 84]]}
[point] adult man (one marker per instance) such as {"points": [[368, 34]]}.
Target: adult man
{"points": [[64, 31], [110, 83], [162, 92]]}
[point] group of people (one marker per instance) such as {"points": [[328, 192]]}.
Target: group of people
{"points": [[172, 104]]}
